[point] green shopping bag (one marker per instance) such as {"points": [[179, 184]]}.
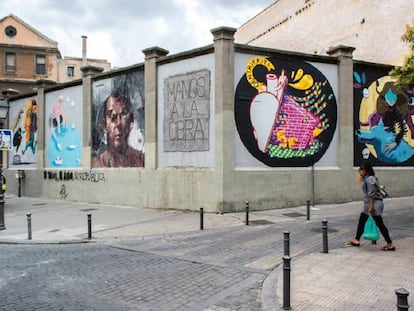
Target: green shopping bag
{"points": [[370, 230]]}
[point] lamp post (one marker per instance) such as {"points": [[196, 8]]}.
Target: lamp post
{"points": [[4, 110]]}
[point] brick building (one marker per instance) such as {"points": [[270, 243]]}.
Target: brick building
{"points": [[29, 58]]}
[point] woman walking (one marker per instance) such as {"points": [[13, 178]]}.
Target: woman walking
{"points": [[373, 205]]}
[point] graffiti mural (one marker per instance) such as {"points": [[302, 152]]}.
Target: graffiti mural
{"points": [[24, 124], [285, 112], [118, 121], [187, 112], [384, 124], [64, 126]]}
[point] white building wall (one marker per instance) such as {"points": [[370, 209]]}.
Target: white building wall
{"points": [[373, 27]]}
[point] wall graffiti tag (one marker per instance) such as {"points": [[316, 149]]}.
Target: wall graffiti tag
{"points": [[187, 112], [285, 111]]}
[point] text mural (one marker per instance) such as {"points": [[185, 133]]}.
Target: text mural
{"points": [[383, 121], [285, 112], [187, 112]]}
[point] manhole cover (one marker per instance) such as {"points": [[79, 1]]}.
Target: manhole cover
{"points": [[88, 209], [294, 214], [260, 222]]}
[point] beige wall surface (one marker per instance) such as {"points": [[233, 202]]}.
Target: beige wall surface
{"points": [[373, 27]]}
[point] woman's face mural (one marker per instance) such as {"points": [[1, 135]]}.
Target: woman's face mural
{"points": [[285, 112]]}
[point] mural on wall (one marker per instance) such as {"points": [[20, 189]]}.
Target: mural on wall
{"points": [[63, 128], [187, 112], [285, 111], [383, 121], [23, 116], [118, 121]]}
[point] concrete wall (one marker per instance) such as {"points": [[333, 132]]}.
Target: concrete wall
{"points": [[189, 168]]}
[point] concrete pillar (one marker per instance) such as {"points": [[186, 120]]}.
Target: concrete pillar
{"points": [[345, 124], [150, 82], [41, 115], [87, 74], [224, 106]]}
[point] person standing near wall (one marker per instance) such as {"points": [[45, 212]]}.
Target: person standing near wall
{"points": [[117, 123], [373, 205]]}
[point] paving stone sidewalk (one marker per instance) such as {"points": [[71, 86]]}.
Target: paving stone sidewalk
{"points": [[346, 278]]}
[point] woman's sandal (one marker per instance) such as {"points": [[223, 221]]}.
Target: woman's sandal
{"points": [[352, 243], [388, 249]]}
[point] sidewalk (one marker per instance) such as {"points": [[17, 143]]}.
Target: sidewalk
{"points": [[347, 278]]}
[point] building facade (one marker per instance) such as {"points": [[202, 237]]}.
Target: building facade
{"points": [[29, 58], [374, 28]]}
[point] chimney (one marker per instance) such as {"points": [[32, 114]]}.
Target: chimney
{"points": [[84, 39]]}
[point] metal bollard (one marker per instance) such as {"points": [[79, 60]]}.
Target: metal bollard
{"points": [[89, 226], [201, 218], [247, 213], [402, 301], [286, 283], [286, 243], [29, 226], [308, 210], [325, 235]]}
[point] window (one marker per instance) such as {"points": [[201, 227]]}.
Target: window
{"points": [[10, 62], [71, 71], [40, 64]]}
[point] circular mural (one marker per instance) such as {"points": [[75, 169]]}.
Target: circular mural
{"points": [[285, 112]]}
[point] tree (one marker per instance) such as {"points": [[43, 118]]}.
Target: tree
{"points": [[405, 74]]}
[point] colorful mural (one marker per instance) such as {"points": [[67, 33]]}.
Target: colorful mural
{"points": [[384, 124], [285, 111], [24, 124], [64, 128], [118, 121]]}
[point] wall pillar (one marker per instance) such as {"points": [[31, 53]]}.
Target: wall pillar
{"points": [[87, 74], [224, 107], [150, 83], [345, 105]]}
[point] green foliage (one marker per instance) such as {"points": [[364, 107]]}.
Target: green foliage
{"points": [[405, 74]]}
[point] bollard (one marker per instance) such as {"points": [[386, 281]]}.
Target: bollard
{"points": [[89, 226], [286, 283], [29, 226], [402, 301], [247, 213], [308, 210], [201, 218], [325, 235], [286, 243]]}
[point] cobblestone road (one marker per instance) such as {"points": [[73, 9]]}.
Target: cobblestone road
{"points": [[221, 269]]}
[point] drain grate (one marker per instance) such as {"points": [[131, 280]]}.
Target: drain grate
{"points": [[39, 204], [89, 209], [260, 222], [294, 214], [54, 230]]}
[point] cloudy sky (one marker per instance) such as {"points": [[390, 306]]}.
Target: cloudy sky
{"points": [[118, 30]]}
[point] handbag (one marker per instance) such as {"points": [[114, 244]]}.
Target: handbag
{"points": [[370, 230]]}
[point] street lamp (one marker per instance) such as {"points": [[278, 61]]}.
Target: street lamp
{"points": [[4, 110]]}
